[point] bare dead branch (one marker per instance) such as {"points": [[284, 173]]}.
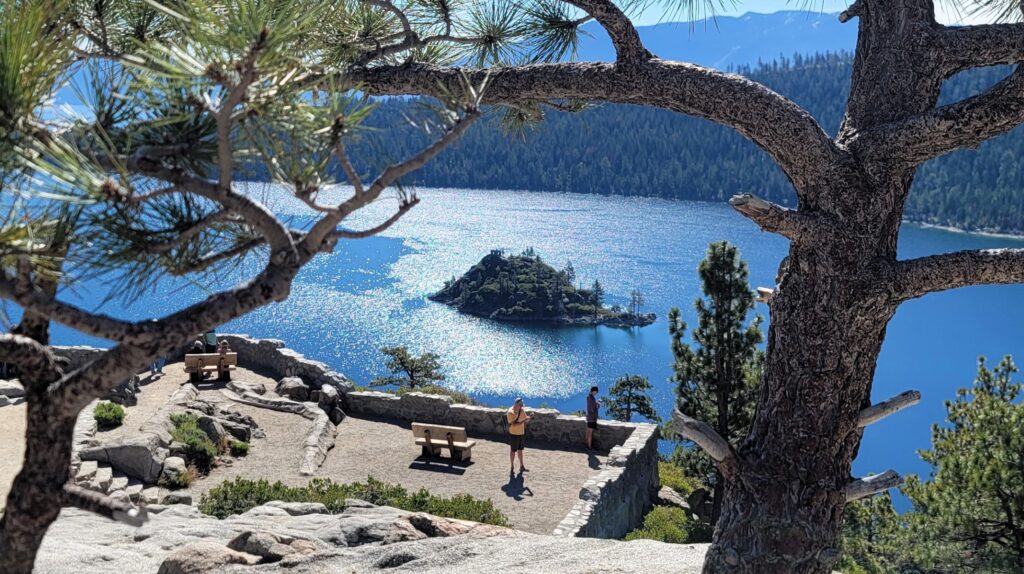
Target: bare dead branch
{"points": [[322, 229], [871, 485], [115, 509], [875, 413], [787, 132], [853, 11], [629, 48], [402, 210], [350, 172], [964, 124], [765, 294], [965, 47], [789, 223], [704, 436], [916, 277]]}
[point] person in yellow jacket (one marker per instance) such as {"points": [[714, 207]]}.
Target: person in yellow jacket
{"points": [[517, 419]]}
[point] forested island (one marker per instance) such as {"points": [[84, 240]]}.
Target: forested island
{"points": [[525, 288], [633, 150]]}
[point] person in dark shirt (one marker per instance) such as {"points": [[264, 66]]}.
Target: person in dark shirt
{"points": [[592, 406]]}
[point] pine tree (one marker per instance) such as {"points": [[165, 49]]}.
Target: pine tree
{"points": [[570, 273], [409, 370], [716, 381], [976, 493], [597, 296], [627, 397]]}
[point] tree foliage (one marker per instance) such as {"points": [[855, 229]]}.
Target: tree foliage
{"points": [[410, 371], [975, 495], [630, 396], [716, 379]]}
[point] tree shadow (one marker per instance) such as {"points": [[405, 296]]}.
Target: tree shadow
{"points": [[516, 487]]}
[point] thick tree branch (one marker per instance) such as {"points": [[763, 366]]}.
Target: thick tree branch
{"points": [[380, 228], [95, 324], [787, 132], [30, 357], [790, 223], [965, 124], [916, 277], [119, 510], [864, 487], [965, 47], [629, 48], [875, 413], [704, 436]]}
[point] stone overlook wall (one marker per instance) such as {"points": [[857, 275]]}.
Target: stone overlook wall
{"points": [[548, 425], [611, 503], [616, 500]]}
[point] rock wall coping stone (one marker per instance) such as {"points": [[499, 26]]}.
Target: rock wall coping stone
{"points": [[272, 356]]}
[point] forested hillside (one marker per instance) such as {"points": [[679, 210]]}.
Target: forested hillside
{"points": [[627, 150]]}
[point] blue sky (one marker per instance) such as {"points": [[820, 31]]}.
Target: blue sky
{"points": [[944, 9]]}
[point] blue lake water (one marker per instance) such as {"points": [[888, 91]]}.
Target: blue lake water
{"points": [[372, 293]]}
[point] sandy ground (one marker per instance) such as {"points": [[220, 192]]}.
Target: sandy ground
{"points": [[534, 501], [12, 446]]}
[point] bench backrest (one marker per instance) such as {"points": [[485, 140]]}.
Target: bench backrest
{"points": [[208, 359], [439, 432]]}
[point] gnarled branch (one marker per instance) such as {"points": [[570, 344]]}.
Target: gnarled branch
{"points": [[787, 132], [625, 39], [965, 47], [916, 277], [701, 434], [875, 413], [29, 356], [964, 124], [95, 324], [789, 223], [871, 485], [114, 509]]}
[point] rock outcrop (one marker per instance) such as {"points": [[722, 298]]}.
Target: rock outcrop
{"points": [[178, 539]]}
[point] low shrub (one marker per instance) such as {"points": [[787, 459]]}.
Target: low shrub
{"points": [[240, 495], [673, 525], [239, 448], [199, 449], [673, 477], [108, 415]]}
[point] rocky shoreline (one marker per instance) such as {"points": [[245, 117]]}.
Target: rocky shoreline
{"points": [[623, 320]]}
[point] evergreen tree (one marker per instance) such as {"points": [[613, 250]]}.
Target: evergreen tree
{"points": [[597, 296], [570, 273], [716, 381], [975, 497], [409, 370], [636, 301], [628, 397]]}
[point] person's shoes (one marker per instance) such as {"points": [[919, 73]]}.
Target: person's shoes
{"points": [[523, 469], [512, 470]]}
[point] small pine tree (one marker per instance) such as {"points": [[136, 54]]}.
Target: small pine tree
{"points": [[628, 396], [570, 273], [409, 370], [976, 493], [597, 296], [716, 382]]}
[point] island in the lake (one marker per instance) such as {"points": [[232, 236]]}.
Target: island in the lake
{"points": [[525, 288]]}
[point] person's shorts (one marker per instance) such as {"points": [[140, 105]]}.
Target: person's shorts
{"points": [[591, 424], [517, 442]]}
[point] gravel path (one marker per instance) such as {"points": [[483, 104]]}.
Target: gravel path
{"points": [[12, 446], [154, 392], [534, 501]]}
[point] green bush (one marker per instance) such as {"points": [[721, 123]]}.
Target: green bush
{"points": [[673, 525], [673, 477], [240, 495], [199, 449], [239, 448], [108, 415]]}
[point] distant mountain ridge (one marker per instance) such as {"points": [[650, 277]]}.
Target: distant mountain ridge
{"points": [[732, 41]]}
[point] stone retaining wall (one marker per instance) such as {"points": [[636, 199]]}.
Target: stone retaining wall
{"points": [[616, 500], [272, 356]]}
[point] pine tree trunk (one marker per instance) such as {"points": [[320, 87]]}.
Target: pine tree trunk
{"points": [[36, 494]]}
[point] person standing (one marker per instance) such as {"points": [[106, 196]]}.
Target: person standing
{"points": [[517, 419], [592, 406]]}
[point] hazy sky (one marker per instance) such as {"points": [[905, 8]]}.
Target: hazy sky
{"points": [[946, 14]]}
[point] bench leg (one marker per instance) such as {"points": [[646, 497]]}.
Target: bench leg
{"points": [[224, 375], [427, 452], [462, 455], [195, 377]]}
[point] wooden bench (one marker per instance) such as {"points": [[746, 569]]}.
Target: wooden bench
{"points": [[197, 364], [434, 437]]}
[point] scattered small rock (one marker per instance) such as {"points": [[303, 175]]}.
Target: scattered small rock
{"points": [[176, 498], [293, 388], [203, 557]]}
